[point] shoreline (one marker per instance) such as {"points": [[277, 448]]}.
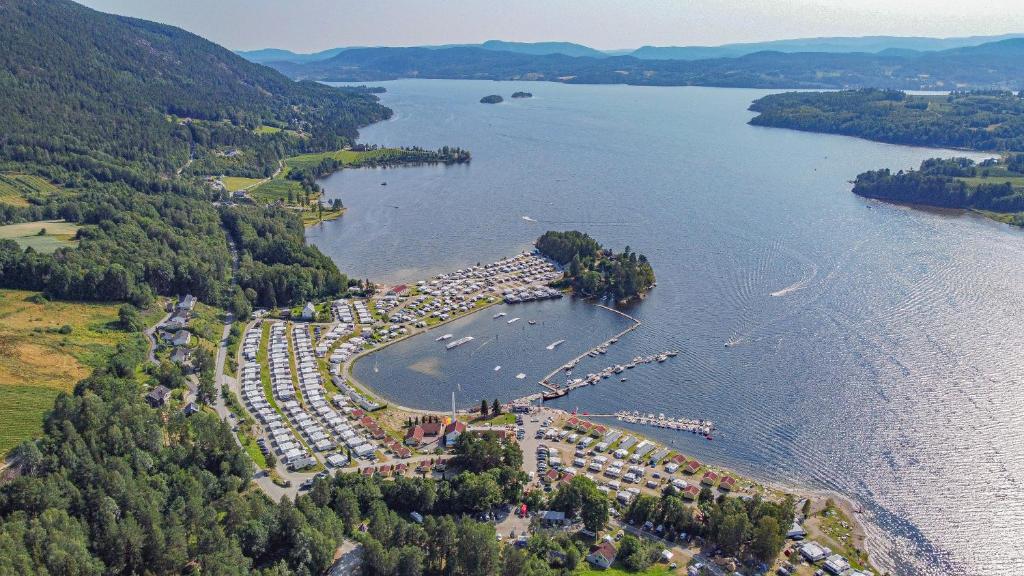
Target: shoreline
{"points": [[866, 535]]}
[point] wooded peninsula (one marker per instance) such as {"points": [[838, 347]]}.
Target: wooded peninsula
{"points": [[991, 121], [593, 271], [993, 187]]}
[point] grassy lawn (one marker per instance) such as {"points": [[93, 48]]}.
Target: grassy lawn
{"points": [[15, 189], [58, 233], [277, 189], [37, 361], [262, 129], [235, 183], [1015, 181], [346, 157]]}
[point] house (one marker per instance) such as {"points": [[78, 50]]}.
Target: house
{"points": [[550, 476], [180, 355], [432, 429], [727, 483], [691, 492], [796, 532], [158, 396], [414, 437], [710, 478], [692, 466], [553, 519], [181, 338], [452, 432], [309, 312], [176, 322], [187, 303], [603, 556], [190, 409]]}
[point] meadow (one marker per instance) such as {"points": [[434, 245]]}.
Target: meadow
{"points": [[58, 234], [45, 348]]}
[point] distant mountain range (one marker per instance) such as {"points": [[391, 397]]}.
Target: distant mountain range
{"points": [[873, 44], [993, 65]]}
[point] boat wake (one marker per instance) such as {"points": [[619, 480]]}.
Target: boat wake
{"points": [[799, 284], [528, 219]]}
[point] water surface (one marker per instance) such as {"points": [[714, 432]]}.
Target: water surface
{"points": [[875, 350]]}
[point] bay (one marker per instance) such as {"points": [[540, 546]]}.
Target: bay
{"points": [[874, 350]]}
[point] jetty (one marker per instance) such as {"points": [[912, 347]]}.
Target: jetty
{"points": [[556, 391]]}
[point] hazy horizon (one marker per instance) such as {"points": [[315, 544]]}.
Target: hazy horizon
{"points": [[314, 25]]}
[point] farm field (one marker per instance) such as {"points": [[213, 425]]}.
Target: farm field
{"points": [[16, 188], [235, 183], [58, 234], [38, 359]]}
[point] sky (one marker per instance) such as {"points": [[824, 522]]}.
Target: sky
{"points": [[311, 25]]}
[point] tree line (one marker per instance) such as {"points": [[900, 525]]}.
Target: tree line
{"points": [[594, 271], [939, 183], [979, 120]]}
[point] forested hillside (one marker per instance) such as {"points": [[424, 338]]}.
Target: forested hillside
{"points": [[127, 117], [992, 65], [990, 120]]}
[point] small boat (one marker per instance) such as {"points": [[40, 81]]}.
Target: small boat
{"points": [[496, 368], [554, 344], [532, 322], [445, 337], [672, 354], [613, 340], [622, 379], [383, 183], [520, 376], [459, 342], [499, 315], [513, 320]]}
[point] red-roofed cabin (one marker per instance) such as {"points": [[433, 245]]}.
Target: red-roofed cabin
{"points": [[432, 429], [357, 413], [691, 492], [710, 478], [679, 459], [414, 437], [550, 476], [573, 422], [727, 483], [692, 466]]}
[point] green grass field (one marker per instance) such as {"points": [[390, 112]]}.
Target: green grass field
{"points": [[236, 183], [346, 157], [1016, 181], [15, 189], [277, 189], [261, 129], [58, 234], [37, 361]]}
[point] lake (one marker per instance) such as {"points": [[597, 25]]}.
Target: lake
{"points": [[874, 350]]}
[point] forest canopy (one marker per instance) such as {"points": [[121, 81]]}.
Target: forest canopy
{"points": [[981, 120], [126, 118], [595, 271]]}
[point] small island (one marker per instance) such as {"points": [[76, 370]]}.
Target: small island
{"points": [[593, 271], [994, 188], [492, 99], [522, 95]]}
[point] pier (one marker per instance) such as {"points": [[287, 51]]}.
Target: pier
{"points": [[561, 391]]}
